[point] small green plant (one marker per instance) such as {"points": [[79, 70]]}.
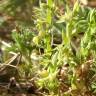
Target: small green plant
{"points": [[58, 51]]}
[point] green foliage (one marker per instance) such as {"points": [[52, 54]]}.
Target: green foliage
{"points": [[67, 64]]}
